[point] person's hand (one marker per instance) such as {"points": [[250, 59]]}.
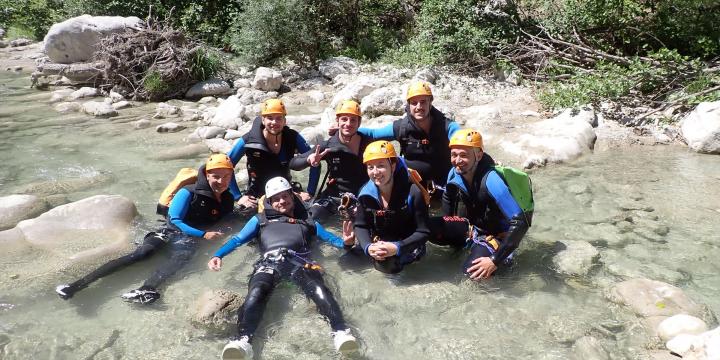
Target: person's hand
{"points": [[348, 233], [304, 196], [481, 268], [333, 129], [212, 235], [389, 248], [248, 201], [377, 252], [215, 264], [315, 158]]}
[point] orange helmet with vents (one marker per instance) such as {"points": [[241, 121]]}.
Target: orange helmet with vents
{"points": [[379, 150], [273, 106], [219, 161], [418, 88], [466, 137], [348, 107]]}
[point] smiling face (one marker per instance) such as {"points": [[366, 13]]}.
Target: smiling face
{"points": [[420, 106], [464, 158], [283, 202], [380, 171], [348, 124], [219, 179], [273, 123]]}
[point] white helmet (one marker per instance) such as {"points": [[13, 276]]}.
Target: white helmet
{"points": [[275, 186]]}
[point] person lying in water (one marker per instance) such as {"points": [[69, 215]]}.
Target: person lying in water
{"points": [[283, 230], [193, 208]]}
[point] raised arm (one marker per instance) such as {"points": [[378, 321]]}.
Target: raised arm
{"points": [[235, 154], [303, 147], [384, 133]]}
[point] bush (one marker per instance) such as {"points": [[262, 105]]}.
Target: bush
{"points": [[29, 18]]}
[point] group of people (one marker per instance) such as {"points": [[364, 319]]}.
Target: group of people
{"points": [[382, 197]]}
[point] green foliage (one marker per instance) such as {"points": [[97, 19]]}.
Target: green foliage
{"points": [[19, 32], [205, 64], [29, 18], [610, 81], [155, 86]]}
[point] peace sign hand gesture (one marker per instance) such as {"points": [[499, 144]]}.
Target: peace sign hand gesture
{"points": [[315, 158]]}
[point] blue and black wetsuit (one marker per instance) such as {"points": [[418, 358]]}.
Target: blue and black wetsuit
{"points": [[193, 208], [263, 164], [285, 245], [428, 153], [403, 222], [491, 208], [346, 174]]}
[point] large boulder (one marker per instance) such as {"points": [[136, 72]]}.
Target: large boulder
{"points": [[697, 347], [15, 208], [355, 90], [576, 258], [210, 87], [267, 79], [333, 67], [701, 128], [74, 40], [229, 114], [680, 324], [83, 230], [383, 101], [556, 140], [653, 298]]}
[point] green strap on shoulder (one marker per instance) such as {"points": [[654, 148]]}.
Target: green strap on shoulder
{"points": [[520, 186]]}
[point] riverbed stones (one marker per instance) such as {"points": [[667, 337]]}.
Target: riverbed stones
{"points": [[335, 66], [83, 230], [15, 208], [121, 105], [576, 259], [99, 109], [211, 87], [219, 145], [83, 92], [229, 114], [74, 39], [68, 107], [480, 117], [383, 101], [697, 347], [680, 324], [355, 90], [316, 95], [267, 79], [427, 74], [209, 132], [216, 308], [68, 185], [165, 110], [701, 128], [141, 124], [169, 127], [653, 298]]}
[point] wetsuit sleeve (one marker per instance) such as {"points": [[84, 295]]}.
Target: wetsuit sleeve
{"points": [[450, 200], [362, 228], [513, 214], [235, 154], [452, 128], [248, 232], [384, 133], [299, 162], [303, 147], [420, 211], [178, 210], [328, 237]]}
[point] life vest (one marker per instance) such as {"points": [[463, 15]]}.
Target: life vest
{"points": [[346, 171], [262, 163], [184, 177], [204, 209], [278, 230], [428, 153]]}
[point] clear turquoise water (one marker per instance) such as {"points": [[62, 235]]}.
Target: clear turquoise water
{"points": [[668, 196]]}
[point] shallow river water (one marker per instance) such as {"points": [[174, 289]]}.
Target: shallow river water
{"points": [[650, 211]]}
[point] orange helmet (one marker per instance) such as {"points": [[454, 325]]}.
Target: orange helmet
{"points": [[219, 161], [466, 137], [379, 150], [349, 107], [418, 88], [273, 106]]}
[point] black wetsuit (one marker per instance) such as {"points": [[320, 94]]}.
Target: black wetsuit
{"points": [[284, 243], [403, 222], [346, 174], [193, 207]]}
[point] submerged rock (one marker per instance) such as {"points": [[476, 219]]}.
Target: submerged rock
{"points": [[15, 208], [170, 127], [99, 109], [189, 151], [653, 298], [589, 348], [576, 259], [680, 324], [216, 308], [66, 186]]}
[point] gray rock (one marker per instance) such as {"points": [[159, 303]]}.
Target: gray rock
{"points": [[427, 74], [316, 95], [242, 83], [479, 116], [165, 110], [3, 44], [216, 308], [83, 92], [210, 87], [121, 105], [383, 101], [20, 42], [680, 324], [210, 132], [115, 96], [701, 128], [2, 33], [99, 109], [190, 151], [207, 100], [233, 134], [333, 67], [83, 230], [653, 298], [267, 79], [15, 208], [67, 107], [60, 95], [74, 40], [314, 135], [218, 145], [576, 259], [70, 185], [170, 127], [229, 113], [355, 90], [141, 124]]}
